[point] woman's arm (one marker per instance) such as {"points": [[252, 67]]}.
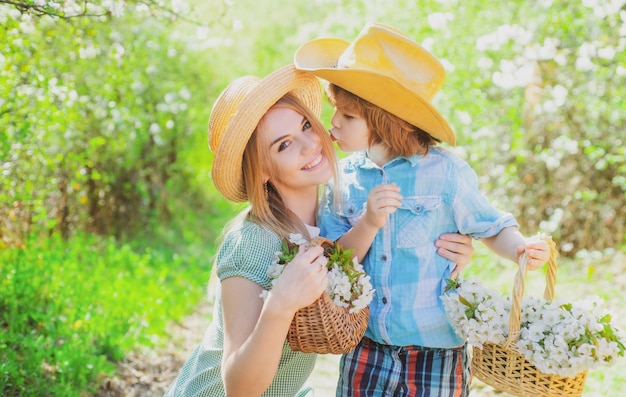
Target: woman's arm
{"points": [[255, 330]]}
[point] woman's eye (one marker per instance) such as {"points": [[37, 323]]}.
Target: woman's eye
{"points": [[283, 145], [306, 125]]}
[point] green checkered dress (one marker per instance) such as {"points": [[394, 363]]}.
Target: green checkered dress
{"points": [[246, 252]]}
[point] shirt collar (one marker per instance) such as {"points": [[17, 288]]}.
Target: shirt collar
{"points": [[362, 161]]}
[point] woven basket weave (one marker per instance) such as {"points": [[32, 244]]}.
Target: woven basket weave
{"points": [[504, 368], [324, 327]]}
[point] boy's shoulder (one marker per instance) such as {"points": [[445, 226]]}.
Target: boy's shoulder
{"points": [[438, 153]]}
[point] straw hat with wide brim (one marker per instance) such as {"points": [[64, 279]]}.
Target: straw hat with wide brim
{"points": [[236, 114], [386, 68]]}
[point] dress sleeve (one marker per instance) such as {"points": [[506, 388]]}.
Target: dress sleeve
{"points": [[247, 252]]}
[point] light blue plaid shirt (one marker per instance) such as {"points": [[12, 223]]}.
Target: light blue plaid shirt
{"points": [[440, 195]]}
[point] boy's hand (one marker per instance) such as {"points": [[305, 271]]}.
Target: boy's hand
{"points": [[537, 253], [382, 200]]}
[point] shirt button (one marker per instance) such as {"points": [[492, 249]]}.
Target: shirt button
{"points": [[418, 208], [383, 258], [381, 172], [385, 300]]}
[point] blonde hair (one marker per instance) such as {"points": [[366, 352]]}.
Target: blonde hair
{"points": [[266, 205], [399, 137]]}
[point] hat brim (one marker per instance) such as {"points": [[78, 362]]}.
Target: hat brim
{"points": [[227, 162], [320, 56]]}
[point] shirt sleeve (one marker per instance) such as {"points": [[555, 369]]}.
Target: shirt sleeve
{"points": [[247, 252], [473, 213], [332, 225]]}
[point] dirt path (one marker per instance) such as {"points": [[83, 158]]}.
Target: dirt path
{"points": [[149, 373]]}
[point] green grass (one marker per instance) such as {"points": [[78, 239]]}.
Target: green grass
{"points": [[69, 310], [599, 274]]}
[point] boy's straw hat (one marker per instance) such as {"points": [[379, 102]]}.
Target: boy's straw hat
{"points": [[384, 67], [236, 114]]}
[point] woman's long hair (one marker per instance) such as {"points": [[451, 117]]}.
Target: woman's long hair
{"points": [[266, 205]]}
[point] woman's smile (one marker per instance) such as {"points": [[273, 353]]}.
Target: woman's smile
{"points": [[316, 161]]}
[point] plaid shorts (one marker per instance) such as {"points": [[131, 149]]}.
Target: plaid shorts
{"points": [[377, 370]]}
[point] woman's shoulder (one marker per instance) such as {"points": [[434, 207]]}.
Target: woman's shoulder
{"points": [[248, 248], [248, 233]]}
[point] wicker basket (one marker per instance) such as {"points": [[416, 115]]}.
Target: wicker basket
{"points": [[324, 327], [504, 368]]}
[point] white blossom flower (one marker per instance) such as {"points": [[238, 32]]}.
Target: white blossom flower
{"points": [[558, 338], [348, 285], [297, 239]]}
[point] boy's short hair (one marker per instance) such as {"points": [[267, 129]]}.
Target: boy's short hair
{"points": [[398, 136]]}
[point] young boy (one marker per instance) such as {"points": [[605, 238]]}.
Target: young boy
{"points": [[382, 85]]}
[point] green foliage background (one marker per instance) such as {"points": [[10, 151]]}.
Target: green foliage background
{"points": [[108, 217]]}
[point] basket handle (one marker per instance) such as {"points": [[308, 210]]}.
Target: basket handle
{"points": [[515, 318]]}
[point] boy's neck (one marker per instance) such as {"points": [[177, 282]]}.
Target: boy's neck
{"points": [[378, 154]]}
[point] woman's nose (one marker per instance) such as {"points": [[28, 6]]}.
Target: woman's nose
{"points": [[310, 142]]}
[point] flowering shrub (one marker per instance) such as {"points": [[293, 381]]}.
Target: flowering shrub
{"points": [[348, 284], [558, 338]]}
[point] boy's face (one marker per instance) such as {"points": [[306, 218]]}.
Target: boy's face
{"points": [[349, 130]]}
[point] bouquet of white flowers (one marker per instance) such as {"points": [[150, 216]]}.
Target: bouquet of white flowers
{"points": [[557, 337], [336, 322], [533, 346]]}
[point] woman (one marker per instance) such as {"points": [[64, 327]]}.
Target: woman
{"points": [[271, 150]]}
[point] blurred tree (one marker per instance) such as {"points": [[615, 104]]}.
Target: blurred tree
{"points": [[94, 118], [179, 10]]}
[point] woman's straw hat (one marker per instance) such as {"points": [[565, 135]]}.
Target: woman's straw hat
{"points": [[236, 114], [384, 67]]}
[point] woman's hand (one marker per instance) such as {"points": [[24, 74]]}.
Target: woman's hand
{"points": [[255, 329], [303, 280], [457, 248]]}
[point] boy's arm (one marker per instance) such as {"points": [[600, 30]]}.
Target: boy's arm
{"points": [[382, 201], [359, 238], [510, 244]]}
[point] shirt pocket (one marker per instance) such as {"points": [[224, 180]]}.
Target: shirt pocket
{"points": [[353, 209], [416, 221]]}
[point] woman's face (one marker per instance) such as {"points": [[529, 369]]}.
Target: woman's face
{"points": [[295, 152]]}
